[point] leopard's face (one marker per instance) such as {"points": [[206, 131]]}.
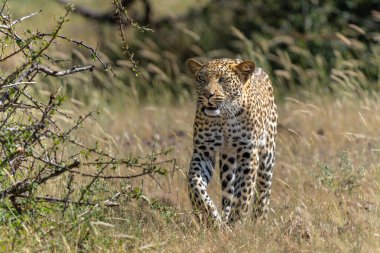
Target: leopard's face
{"points": [[216, 87], [219, 83]]}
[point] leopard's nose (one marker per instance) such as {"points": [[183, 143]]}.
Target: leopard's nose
{"points": [[208, 95]]}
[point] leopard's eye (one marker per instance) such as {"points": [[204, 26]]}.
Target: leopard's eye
{"points": [[221, 79], [201, 79]]}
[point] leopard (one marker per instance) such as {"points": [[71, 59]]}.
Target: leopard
{"points": [[236, 124]]}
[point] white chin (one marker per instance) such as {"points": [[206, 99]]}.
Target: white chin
{"points": [[215, 112]]}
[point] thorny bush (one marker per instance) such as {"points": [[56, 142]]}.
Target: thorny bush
{"points": [[39, 146]]}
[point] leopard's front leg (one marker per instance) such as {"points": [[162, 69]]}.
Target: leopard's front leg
{"points": [[207, 141], [200, 173]]}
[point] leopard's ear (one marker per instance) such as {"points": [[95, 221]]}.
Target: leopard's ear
{"points": [[194, 66], [245, 69]]}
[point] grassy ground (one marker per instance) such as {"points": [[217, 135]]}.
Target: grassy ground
{"points": [[324, 198], [325, 185]]}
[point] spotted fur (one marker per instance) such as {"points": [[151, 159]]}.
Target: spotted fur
{"points": [[236, 117]]}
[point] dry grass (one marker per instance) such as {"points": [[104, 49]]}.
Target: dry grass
{"points": [[325, 189]]}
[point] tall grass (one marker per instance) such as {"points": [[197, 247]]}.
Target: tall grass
{"points": [[324, 197]]}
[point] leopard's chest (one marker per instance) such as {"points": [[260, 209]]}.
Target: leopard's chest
{"points": [[239, 131], [242, 128]]}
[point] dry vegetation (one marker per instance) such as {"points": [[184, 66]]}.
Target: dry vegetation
{"points": [[325, 195], [325, 192]]}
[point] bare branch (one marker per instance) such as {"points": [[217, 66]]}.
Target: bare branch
{"points": [[64, 72], [32, 59], [16, 84], [113, 177], [25, 185], [26, 74], [58, 200], [79, 43], [3, 7], [25, 17], [21, 49]]}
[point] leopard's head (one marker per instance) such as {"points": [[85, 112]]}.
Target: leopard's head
{"points": [[219, 82]]}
